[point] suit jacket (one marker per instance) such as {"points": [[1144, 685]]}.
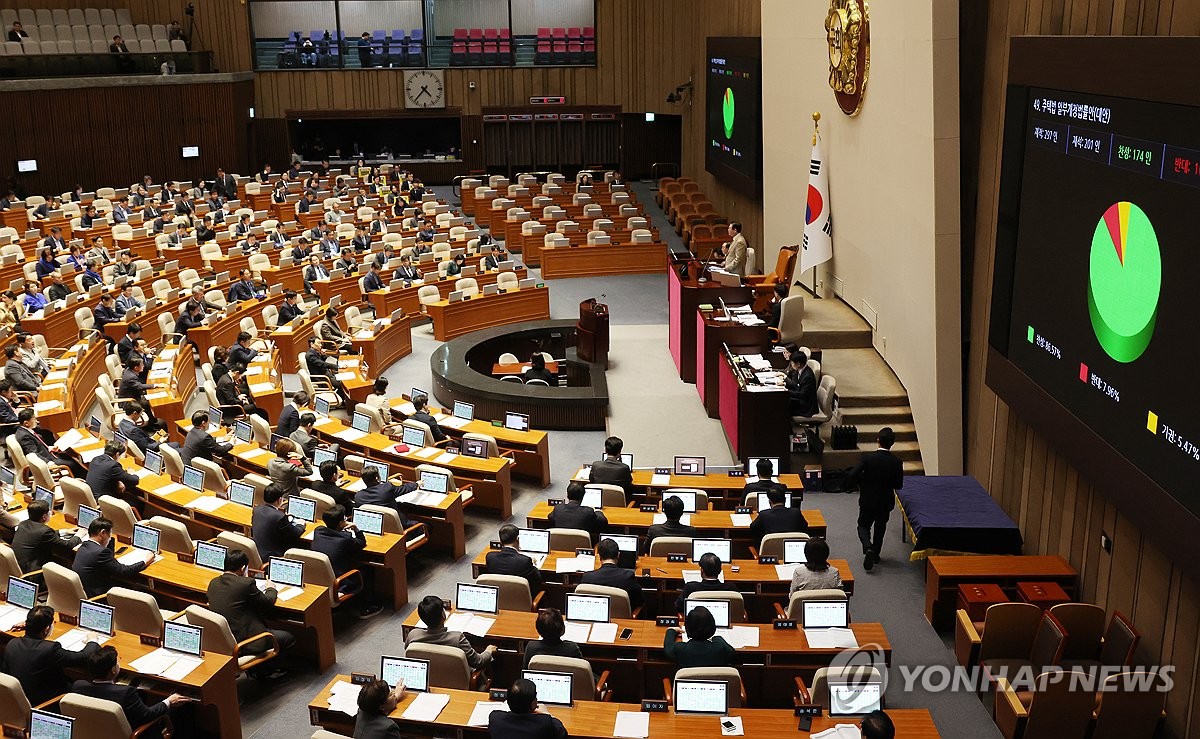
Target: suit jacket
{"points": [[317, 364], [612, 472], [131, 386], [763, 485], [200, 443], [669, 528], [20, 376], [239, 354], [715, 652], [137, 435], [272, 532], [239, 600], [99, 569], [509, 561], [288, 312], [346, 265], [407, 274], [137, 712], [378, 726], [289, 475], [341, 546], [425, 418], [289, 420], [572, 515], [104, 473], [35, 544], [560, 648], [614, 576], [735, 256], [446, 638], [31, 443], [775, 313], [372, 282], [779, 520], [307, 443], [226, 186], [228, 390], [702, 585], [39, 665], [241, 290], [508, 725], [802, 392], [385, 494], [124, 346], [341, 496], [878, 475]]}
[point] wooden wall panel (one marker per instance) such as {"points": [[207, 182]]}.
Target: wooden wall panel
{"points": [[1058, 508]]}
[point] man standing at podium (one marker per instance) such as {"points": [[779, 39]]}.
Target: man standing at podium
{"points": [[734, 251]]}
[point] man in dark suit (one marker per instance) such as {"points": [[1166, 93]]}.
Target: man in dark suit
{"points": [[35, 543], [613, 575], [508, 560], [273, 531], [200, 443], [289, 309], [778, 519], [242, 289], [710, 579], [525, 719], [878, 475], [765, 483], [775, 310], [95, 563], [371, 280], [137, 428], [132, 387], [225, 185], [328, 485], [289, 417], [406, 271], [241, 352], [55, 241], [574, 515], [103, 668], [32, 443], [382, 493], [236, 596], [342, 542], [611, 470], [801, 385], [495, 256], [672, 509], [106, 476], [132, 333], [38, 662], [421, 413]]}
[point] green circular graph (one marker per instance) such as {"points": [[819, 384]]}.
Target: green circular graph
{"points": [[1124, 281], [727, 111]]}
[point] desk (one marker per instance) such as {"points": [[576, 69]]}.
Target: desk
{"points": [[72, 396], [724, 492], [383, 347], [756, 418], [604, 259], [224, 331], [485, 311], [684, 296], [711, 333], [943, 575], [346, 287], [395, 295], [954, 514], [520, 368]]}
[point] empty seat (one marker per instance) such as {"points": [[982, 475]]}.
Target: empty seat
{"points": [[91, 16], [108, 15], [158, 31], [178, 46], [162, 46], [123, 15], [60, 15], [44, 17], [75, 16], [142, 31]]}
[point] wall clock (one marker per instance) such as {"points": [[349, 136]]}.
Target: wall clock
{"points": [[848, 33], [424, 88]]}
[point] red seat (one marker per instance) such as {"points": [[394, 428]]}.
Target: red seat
{"points": [[460, 34], [559, 34], [505, 34], [543, 34], [505, 48], [574, 34], [589, 33], [475, 34], [589, 47], [490, 34], [490, 47]]}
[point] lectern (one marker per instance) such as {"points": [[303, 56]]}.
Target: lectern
{"points": [[593, 332]]}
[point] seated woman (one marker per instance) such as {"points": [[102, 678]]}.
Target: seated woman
{"points": [[703, 648], [551, 628], [537, 371], [816, 573], [46, 264], [376, 700]]}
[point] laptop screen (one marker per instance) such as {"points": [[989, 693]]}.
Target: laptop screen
{"points": [[241, 492], [434, 482], [286, 571], [380, 467], [475, 448], [94, 425], [180, 637], [516, 421], [210, 555], [214, 416], [368, 522], [44, 495], [193, 478], [480, 598], [688, 498], [413, 436], [826, 614], [361, 422], [718, 608], [464, 410], [321, 405], [414, 672], [275, 440], [553, 688], [534, 540], [625, 542], [145, 537], [6, 476], [593, 497], [701, 696], [416, 391], [689, 465], [302, 508], [243, 431], [323, 454], [153, 462], [764, 502], [752, 466], [793, 551], [96, 617], [87, 514], [627, 460], [854, 698], [723, 548], [46, 725], [21, 592], [587, 608]]}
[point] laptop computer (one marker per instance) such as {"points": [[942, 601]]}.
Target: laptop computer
{"points": [[595, 608], [701, 696], [87, 514], [193, 478], [241, 493], [285, 571], [412, 436], [718, 608], [516, 421], [628, 544], [380, 467], [323, 454], [464, 410], [534, 541], [154, 462], [764, 502], [723, 548], [243, 431], [321, 405], [44, 495], [434, 482], [593, 497], [361, 422], [145, 537], [302, 509], [854, 698], [96, 617], [211, 555], [825, 614], [688, 498], [475, 448], [414, 672], [368, 522], [47, 725], [793, 551], [752, 466], [21, 593], [478, 598], [181, 637], [553, 688], [689, 465]]}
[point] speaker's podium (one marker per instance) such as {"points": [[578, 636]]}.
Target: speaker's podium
{"points": [[592, 330]]}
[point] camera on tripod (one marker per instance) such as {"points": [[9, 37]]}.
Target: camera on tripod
{"points": [[190, 10]]}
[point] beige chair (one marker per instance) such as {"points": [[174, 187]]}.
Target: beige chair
{"points": [[319, 571], [584, 684], [611, 496], [1084, 624], [137, 612], [509, 358], [1007, 630], [448, 667], [14, 706], [323, 502], [218, 637], [172, 462], [9, 566], [819, 692], [514, 592], [791, 321], [64, 588], [101, 719], [468, 286], [319, 387], [826, 391], [663, 545], [76, 493], [493, 448], [45, 475], [735, 691], [234, 540], [1056, 708], [215, 478], [701, 496], [173, 535], [507, 281], [428, 294], [568, 540], [772, 545], [795, 606], [410, 423], [737, 604], [1124, 711], [618, 600], [121, 514]]}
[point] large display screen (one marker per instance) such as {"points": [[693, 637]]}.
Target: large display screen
{"points": [[733, 110], [1098, 273]]}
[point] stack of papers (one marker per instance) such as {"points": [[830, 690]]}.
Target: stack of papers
{"points": [[660, 479], [584, 474], [741, 520], [632, 725], [832, 638], [483, 710], [757, 362], [423, 497], [261, 388], [89, 454], [136, 557], [427, 452], [445, 458], [426, 707], [343, 376], [207, 503], [170, 488], [785, 572], [344, 363], [577, 631], [70, 439], [55, 376], [841, 731], [454, 422], [10, 616], [580, 563], [364, 334], [685, 519], [175, 666], [343, 697], [605, 633], [469, 623], [47, 405], [75, 639], [350, 434], [740, 637]]}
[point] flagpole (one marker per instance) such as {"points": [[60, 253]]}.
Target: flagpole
{"points": [[816, 116]]}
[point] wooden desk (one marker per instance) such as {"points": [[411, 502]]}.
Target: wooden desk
{"points": [[724, 492], [595, 720], [499, 370], [224, 331], [756, 419], [386, 345], [451, 320], [684, 296], [346, 287], [710, 335], [74, 395], [610, 259], [395, 295], [943, 575]]}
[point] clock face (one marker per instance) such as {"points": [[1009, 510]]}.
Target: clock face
{"points": [[424, 88]]}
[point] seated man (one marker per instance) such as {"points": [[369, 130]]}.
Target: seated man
{"points": [[574, 515], [243, 288], [235, 595], [537, 371], [289, 417], [303, 435], [103, 669], [778, 519], [137, 427], [776, 308], [508, 560], [17, 373], [765, 471], [371, 280], [342, 542], [801, 385], [376, 701], [274, 532], [525, 717], [289, 310], [38, 662], [703, 647], [193, 316], [35, 543], [611, 470], [710, 579], [433, 615], [91, 275], [106, 476], [421, 413], [32, 443], [241, 352], [612, 575], [232, 390], [328, 484], [97, 566], [672, 509], [383, 493], [200, 443]]}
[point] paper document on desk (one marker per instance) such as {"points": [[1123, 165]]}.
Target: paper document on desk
{"points": [[261, 388], [89, 454], [685, 519], [323, 421], [157, 395], [167, 354], [445, 458], [75, 639], [169, 488], [427, 452], [841, 731], [785, 572], [426, 707], [343, 376], [252, 371], [423, 498], [604, 633], [62, 364], [364, 334], [10, 616], [632, 725], [136, 557], [484, 709], [53, 386], [832, 638], [579, 563], [453, 422], [207, 503], [694, 576], [740, 637], [470, 623], [70, 439], [288, 593], [660, 479], [577, 631], [739, 309], [47, 405], [740, 520], [731, 726], [285, 329], [350, 434], [406, 409], [351, 362], [343, 697], [757, 361], [55, 376]]}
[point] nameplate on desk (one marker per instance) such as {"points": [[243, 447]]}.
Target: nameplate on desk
{"points": [[677, 558], [807, 712], [743, 510], [71, 519], [497, 694], [737, 473], [648, 507], [188, 558], [150, 641], [582, 551], [14, 732], [498, 424], [67, 618], [655, 706], [783, 623], [668, 621], [768, 560], [662, 470], [361, 678], [493, 544], [554, 501]]}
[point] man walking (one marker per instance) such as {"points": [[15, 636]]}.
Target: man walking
{"points": [[879, 475]]}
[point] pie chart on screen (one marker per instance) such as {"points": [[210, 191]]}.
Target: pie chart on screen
{"points": [[1124, 281]]}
